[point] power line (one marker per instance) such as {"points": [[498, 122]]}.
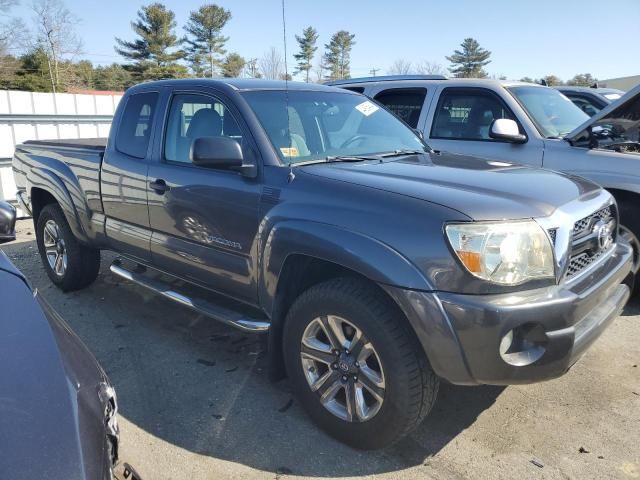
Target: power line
{"points": [[373, 71]]}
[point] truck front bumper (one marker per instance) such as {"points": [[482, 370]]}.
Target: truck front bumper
{"points": [[521, 337]]}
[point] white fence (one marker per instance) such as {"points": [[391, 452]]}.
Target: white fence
{"points": [[44, 116]]}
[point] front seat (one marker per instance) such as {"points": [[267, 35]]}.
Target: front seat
{"points": [[206, 122]]}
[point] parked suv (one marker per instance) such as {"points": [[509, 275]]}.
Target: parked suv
{"points": [[523, 123], [375, 265], [590, 99]]}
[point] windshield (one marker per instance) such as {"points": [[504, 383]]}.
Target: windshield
{"points": [[323, 125], [553, 113]]}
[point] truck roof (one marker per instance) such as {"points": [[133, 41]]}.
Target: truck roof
{"points": [[427, 79], [240, 84]]}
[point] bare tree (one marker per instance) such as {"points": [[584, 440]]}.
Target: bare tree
{"points": [[400, 67], [271, 64], [430, 68], [11, 29], [55, 32]]}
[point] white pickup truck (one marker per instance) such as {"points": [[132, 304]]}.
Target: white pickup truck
{"points": [[523, 123]]}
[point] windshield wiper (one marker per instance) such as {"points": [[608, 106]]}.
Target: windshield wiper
{"points": [[400, 153], [338, 158]]}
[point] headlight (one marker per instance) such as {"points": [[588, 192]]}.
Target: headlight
{"points": [[503, 253]]}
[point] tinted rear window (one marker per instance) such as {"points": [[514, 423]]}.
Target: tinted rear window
{"points": [[135, 125]]}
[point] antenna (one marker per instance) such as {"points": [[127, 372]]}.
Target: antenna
{"points": [[286, 87]]}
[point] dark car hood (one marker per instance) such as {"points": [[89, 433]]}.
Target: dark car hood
{"points": [[621, 118], [43, 420], [479, 188]]}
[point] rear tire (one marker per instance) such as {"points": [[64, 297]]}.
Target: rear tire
{"points": [[69, 264], [405, 382]]}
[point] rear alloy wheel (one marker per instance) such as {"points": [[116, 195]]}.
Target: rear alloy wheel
{"points": [[355, 364], [69, 264], [56, 252]]}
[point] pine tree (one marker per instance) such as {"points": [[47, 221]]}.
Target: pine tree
{"points": [[338, 55], [112, 77], [307, 43], [233, 65], [205, 40], [470, 61], [155, 53]]}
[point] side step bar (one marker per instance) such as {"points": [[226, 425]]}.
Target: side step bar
{"points": [[222, 314]]}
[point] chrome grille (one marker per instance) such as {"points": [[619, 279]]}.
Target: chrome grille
{"points": [[581, 261], [584, 225], [584, 241]]}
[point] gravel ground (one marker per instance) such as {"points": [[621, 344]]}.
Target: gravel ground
{"points": [[196, 403]]}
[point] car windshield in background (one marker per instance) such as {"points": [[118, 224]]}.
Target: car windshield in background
{"points": [[553, 113], [307, 126]]}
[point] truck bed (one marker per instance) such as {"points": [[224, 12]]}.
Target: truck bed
{"points": [[74, 162]]}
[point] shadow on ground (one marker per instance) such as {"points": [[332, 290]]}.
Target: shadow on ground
{"points": [[204, 387]]}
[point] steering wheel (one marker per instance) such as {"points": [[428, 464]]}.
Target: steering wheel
{"points": [[356, 138]]}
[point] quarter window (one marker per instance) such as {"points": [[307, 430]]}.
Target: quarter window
{"points": [[467, 115], [405, 103], [135, 126], [195, 116]]}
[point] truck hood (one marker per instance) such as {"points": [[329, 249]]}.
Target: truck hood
{"points": [[479, 188], [617, 122]]}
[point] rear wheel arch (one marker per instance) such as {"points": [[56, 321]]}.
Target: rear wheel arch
{"points": [[50, 188], [40, 198]]}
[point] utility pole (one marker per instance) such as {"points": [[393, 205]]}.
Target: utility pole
{"points": [[373, 71]]}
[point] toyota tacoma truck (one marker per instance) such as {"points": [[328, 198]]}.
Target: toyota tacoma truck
{"points": [[376, 266]]}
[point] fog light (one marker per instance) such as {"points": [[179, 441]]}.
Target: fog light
{"points": [[523, 345]]}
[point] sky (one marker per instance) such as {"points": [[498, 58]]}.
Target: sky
{"points": [[526, 38]]}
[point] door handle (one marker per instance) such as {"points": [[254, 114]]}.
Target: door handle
{"points": [[159, 186]]}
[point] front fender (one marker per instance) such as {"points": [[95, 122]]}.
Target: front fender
{"points": [[50, 182], [358, 252]]}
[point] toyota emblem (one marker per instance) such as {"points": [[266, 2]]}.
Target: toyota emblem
{"points": [[604, 232]]}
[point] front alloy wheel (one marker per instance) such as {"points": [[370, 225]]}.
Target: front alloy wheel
{"points": [[343, 368], [355, 364]]}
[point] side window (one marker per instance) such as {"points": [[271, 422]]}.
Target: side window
{"points": [[135, 126], [193, 116], [405, 103], [467, 114]]}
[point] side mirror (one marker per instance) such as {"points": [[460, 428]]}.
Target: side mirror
{"points": [[506, 130], [7, 222], [216, 152]]}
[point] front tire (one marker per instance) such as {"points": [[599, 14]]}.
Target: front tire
{"points": [[69, 264], [355, 365]]}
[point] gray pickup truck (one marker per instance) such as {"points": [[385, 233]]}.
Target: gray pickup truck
{"points": [[523, 123], [376, 265]]}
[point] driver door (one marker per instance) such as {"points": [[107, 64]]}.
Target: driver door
{"points": [[204, 220]]}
